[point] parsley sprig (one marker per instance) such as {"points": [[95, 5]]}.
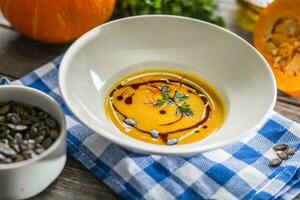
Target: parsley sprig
{"points": [[182, 109]]}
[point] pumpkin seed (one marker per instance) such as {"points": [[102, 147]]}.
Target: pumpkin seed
{"points": [[15, 119], [39, 150], [43, 115], [172, 142], [275, 162], [289, 151], [18, 127], [28, 153], [6, 150], [26, 122], [47, 142], [33, 133], [18, 158], [44, 130], [4, 141], [24, 132], [282, 155], [2, 157], [53, 133], [16, 147], [39, 139], [4, 132], [7, 160], [130, 122], [18, 138], [33, 118], [165, 89], [280, 147], [17, 109], [4, 109], [2, 119], [154, 133], [50, 122]]}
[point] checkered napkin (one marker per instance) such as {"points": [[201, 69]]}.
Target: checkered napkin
{"points": [[237, 171]]}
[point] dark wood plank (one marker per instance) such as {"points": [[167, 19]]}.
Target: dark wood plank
{"points": [[20, 55], [76, 183]]}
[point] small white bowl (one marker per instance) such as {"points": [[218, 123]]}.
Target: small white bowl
{"points": [[109, 52], [25, 179]]}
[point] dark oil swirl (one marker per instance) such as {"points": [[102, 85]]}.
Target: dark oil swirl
{"points": [[164, 135]]}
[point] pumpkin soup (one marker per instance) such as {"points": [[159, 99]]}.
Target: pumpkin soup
{"points": [[165, 107]]}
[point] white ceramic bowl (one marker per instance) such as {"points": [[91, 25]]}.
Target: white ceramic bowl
{"points": [[107, 53], [25, 179]]}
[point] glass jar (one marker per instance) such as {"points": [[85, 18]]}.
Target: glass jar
{"points": [[249, 12]]}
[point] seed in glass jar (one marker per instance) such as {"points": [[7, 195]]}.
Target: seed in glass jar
{"points": [[24, 145], [280, 147], [16, 147], [282, 155], [17, 109], [275, 162], [18, 137], [53, 133], [33, 112], [15, 119], [39, 150], [29, 153], [6, 150], [47, 142], [43, 115], [4, 133], [4, 141], [130, 122], [33, 133], [39, 139], [18, 158], [2, 157], [30, 144], [289, 151], [2, 119], [7, 160], [9, 116], [44, 130], [4, 109], [33, 118], [26, 122], [173, 141], [50, 122], [154, 133], [17, 127]]}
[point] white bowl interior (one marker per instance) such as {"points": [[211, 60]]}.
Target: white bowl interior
{"points": [[106, 54]]}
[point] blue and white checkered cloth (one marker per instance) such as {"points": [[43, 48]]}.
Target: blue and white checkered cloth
{"points": [[237, 171]]}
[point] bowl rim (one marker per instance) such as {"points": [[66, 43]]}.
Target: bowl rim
{"points": [[44, 97], [156, 149]]}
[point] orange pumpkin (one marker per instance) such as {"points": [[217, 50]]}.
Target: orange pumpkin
{"points": [[56, 21], [277, 37]]}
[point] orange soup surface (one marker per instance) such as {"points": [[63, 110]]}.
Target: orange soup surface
{"points": [[166, 108]]}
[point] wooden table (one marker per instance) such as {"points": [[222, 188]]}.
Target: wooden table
{"points": [[20, 55]]}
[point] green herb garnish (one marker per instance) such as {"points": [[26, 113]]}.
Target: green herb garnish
{"points": [[199, 9], [165, 99], [183, 109], [178, 97]]}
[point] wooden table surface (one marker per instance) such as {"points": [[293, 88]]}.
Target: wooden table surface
{"points": [[20, 55]]}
